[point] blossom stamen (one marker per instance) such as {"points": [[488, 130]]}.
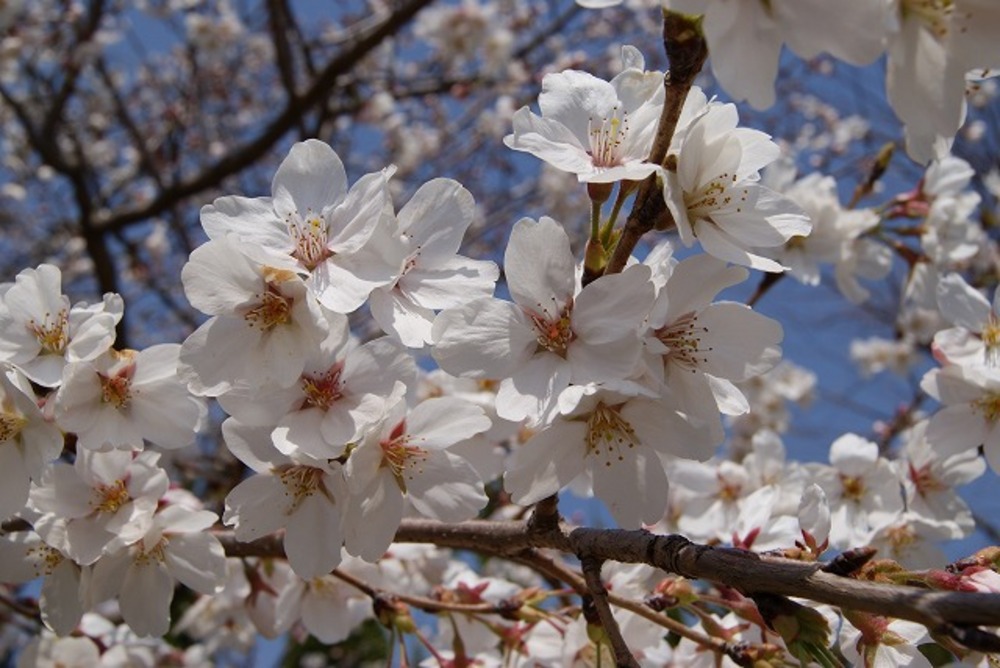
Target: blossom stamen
{"points": [[310, 239], [153, 555], [52, 337], [936, 15], [991, 341], [682, 338], [988, 406], [554, 333], [324, 390], [273, 309], [11, 424], [300, 483], [110, 498], [853, 487], [402, 457], [45, 558], [606, 138], [608, 432], [925, 481]]}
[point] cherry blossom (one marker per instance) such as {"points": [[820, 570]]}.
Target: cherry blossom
{"points": [[931, 46], [616, 439], [601, 131], [300, 494], [970, 397], [122, 398], [407, 456], [265, 321], [550, 336], [40, 332], [142, 575], [433, 276], [329, 608], [313, 220], [696, 349], [28, 442], [715, 196], [344, 391], [65, 585], [861, 487], [975, 339], [102, 502], [745, 37]]}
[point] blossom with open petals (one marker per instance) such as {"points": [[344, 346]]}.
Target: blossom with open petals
{"points": [[601, 131], [715, 196]]}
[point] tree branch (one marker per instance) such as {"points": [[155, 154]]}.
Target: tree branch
{"points": [[255, 149], [687, 51], [744, 571], [599, 595]]}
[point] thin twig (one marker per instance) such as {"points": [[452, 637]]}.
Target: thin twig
{"points": [[599, 595]]}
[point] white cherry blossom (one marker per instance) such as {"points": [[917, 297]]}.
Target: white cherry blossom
{"points": [[601, 131], [39, 331], [970, 413], [142, 575], [616, 439], [861, 487], [125, 397], [28, 441], [313, 220], [407, 457], [696, 349], [343, 391], [103, 501], [550, 336], [714, 192], [931, 47], [745, 37], [433, 276], [65, 588], [930, 481], [975, 339], [265, 321], [303, 495], [329, 608]]}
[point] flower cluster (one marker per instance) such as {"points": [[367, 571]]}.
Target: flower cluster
{"points": [[615, 384]]}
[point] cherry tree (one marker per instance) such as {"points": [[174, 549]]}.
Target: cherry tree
{"points": [[325, 321]]}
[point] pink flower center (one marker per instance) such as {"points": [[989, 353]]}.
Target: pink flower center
{"points": [[324, 390], [925, 480], [116, 387], [401, 457], [554, 333]]}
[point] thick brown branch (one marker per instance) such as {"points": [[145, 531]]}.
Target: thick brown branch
{"points": [[744, 571]]}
